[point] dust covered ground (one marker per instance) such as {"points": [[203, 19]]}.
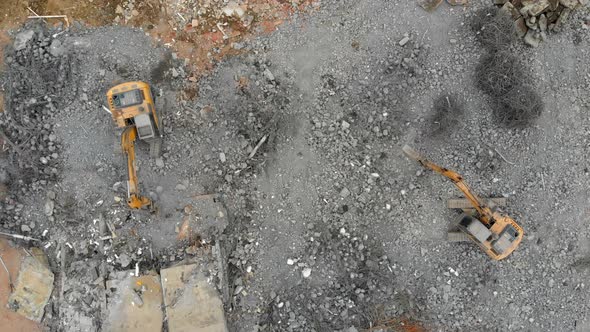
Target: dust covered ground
{"points": [[331, 228]]}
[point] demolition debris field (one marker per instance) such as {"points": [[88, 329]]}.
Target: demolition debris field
{"points": [[292, 115]]}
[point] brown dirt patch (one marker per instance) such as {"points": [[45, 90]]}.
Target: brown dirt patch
{"points": [[203, 37]]}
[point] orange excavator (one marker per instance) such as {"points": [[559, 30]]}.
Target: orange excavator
{"points": [[495, 233], [132, 106]]}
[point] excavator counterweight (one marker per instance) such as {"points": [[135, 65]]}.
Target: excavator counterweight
{"points": [[494, 232]]}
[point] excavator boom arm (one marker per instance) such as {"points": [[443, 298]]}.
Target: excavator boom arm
{"points": [[135, 200], [484, 211]]}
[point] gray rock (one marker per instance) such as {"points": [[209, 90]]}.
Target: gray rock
{"points": [[124, 260], [269, 74], [543, 23], [404, 41], [306, 272], [345, 125], [222, 157], [51, 195], [175, 73], [344, 192], [56, 49], [531, 39], [159, 162], [25, 228], [21, 39], [49, 206]]}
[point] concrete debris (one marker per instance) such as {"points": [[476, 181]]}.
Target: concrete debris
{"points": [[32, 289], [192, 304], [49, 206], [344, 192], [533, 18], [56, 49], [124, 260], [233, 9], [429, 5], [306, 272], [269, 74], [134, 303], [22, 38], [404, 41], [458, 2]]}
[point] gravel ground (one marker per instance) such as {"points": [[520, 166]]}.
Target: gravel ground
{"points": [[332, 228]]}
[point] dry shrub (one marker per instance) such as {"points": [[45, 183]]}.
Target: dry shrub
{"points": [[494, 29], [519, 107], [447, 111], [498, 73], [501, 74]]}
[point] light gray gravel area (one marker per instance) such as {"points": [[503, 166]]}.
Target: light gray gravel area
{"points": [[331, 227]]}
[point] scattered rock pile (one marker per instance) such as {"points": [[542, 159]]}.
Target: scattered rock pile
{"points": [[360, 277], [533, 19], [38, 84]]}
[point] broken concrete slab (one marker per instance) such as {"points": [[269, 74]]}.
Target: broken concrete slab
{"points": [[135, 303], [565, 13], [429, 5], [572, 4], [521, 27], [543, 23], [458, 2], [32, 289], [534, 8], [192, 304], [509, 9], [553, 4], [12, 257], [21, 39], [531, 38]]}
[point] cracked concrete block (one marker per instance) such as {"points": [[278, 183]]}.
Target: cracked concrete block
{"points": [[135, 304], [32, 289], [192, 304]]}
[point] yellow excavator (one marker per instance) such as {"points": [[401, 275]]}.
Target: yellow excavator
{"points": [[132, 106], [495, 233]]}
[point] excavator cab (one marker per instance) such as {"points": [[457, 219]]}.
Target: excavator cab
{"points": [[132, 105], [498, 243]]}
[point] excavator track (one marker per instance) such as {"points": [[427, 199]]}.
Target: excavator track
{"points": [[465, 204], [457, 236]]}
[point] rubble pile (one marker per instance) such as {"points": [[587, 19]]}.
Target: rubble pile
{"points": [[360, 278], [39, 84], [533, 19]]}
